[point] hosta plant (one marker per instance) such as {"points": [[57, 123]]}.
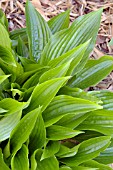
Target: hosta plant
{"points": [[48, 120]]}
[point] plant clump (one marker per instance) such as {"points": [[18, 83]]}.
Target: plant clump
{"points": [[47, 119]]}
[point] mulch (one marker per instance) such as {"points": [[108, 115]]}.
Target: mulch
{"points": [[15, 11]]}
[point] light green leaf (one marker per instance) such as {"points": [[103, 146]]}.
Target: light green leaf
{"points": [[12, 106], [100, 121], [46, 164], [81, 31], [56, 72], [45, 92], [67, 152], [93, 72], [7, 56], [3, 77], [3, 19], [56, 132], [38, 31], [34, 79], [65, 168], [59, 22], [75, 55], [50, 149], [20, 160], [88, 150], [63, 105], [94, 164], [79, 93], [83, 168], [4, 38], [37, 137], [23, 129], [25, 77], [7, 124], [3, 166]]}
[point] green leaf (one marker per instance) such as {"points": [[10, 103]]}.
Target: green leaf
{"points": [[23, 129], [83, 168], [94, 164], [3, 166], [67, 152], [14, 35], [45, 92], [106, 97], [12, 106], [59, 22], [72, 120], [25, 78], [81, 31], [56, 72], [47, 164], [65, 168], [79, 93], [7, 124], [65, 105], [55, 132], [20, 160], [88, 150], [3, 19], [93, 72], [22, 49], [34, 79], [51, 148], [37, 137], [75, 55], [100, 121], [7, 56], [4, 38], [106, 157], [38, 31], [3, 77]]}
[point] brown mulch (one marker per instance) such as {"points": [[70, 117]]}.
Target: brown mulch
{"points": [[15, 11]]}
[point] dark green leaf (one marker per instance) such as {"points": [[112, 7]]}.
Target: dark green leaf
{"points": [[81, 31], [106, 97], [100, 121], [93, 72], [88, 150], [106, 157], [22, 49]]}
